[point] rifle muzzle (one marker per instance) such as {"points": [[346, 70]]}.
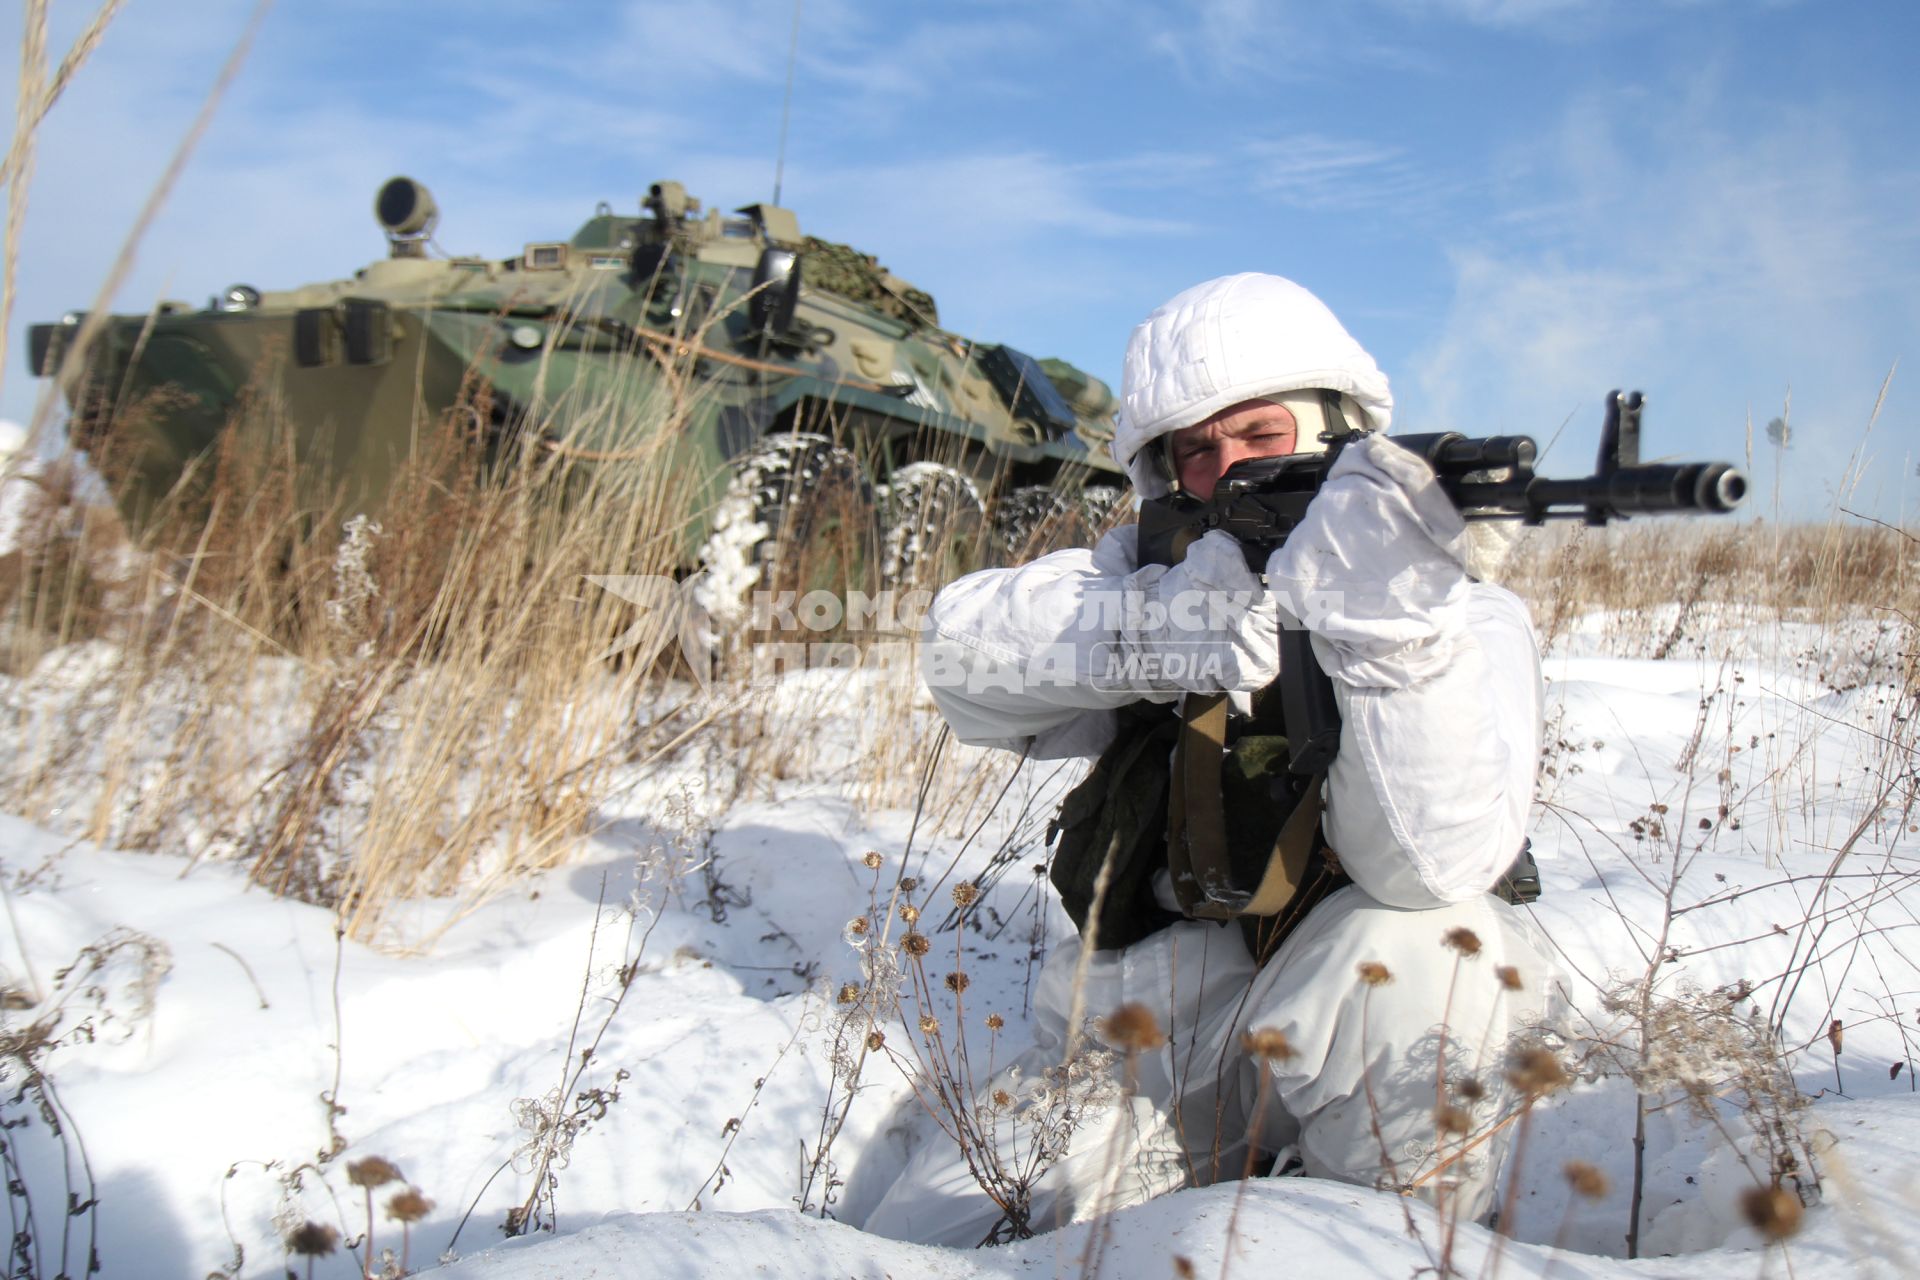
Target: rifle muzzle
{"points": [[1721, 487]]}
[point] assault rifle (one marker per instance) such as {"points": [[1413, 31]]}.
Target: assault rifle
{"points": [[1261, 501]]}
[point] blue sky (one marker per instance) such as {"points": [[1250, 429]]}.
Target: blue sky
{"points": [[1515, 204]]}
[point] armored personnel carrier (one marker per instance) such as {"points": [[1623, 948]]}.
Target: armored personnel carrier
{"points": [[780, 362]]}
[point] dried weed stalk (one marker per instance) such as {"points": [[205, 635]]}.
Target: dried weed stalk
{"points": [[106, 991], [1008, 1128]]}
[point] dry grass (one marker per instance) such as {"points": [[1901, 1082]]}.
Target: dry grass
{"points": [[443, 718], [366, 711], [1645, 587]]}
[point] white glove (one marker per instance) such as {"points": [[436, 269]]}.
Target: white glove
{"points": [[1376, 570], [1205, 625]]}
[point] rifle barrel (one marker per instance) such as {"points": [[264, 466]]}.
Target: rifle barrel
{"points": [[1715, 487]]}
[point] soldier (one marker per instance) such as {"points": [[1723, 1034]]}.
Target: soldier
{"points": [[1393, 976]]}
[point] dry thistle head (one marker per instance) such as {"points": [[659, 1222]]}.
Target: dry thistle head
{"points": [[916, 944], [1132, 1027], [313, 1240], [909, 912], [995, 1022], [1535, 1071], [1469, 1090], [966, 893], [875, 1039], [1452, 1121], [1836, 1035], [872, 859], [1586, 1180], [409, 1206], [1373, 973], [849, 992], [1462, 940], [1268, 1043], [858, 926], [373, 1171], [1002, 1099], [1774, 1212], [1508, 977], [909, 884], [929, 1024], [957, 982]]}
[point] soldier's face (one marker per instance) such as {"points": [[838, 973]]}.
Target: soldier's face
{"points": [[1202, 453]]}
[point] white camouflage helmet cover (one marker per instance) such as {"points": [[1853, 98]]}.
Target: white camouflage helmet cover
{"points": [[1241, 337]]}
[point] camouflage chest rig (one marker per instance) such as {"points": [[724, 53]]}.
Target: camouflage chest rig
{"points": [[1212, 802], [1229, 806]]}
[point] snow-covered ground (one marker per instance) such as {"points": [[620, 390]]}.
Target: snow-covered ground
{"points": [[225, 1058]]}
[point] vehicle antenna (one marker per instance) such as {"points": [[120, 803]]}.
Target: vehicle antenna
{"points": [[786, 104]]}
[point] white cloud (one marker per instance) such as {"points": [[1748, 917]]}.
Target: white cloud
{"points": [[1715, 254], [996, 197], [1292, 41], [1033, 231], [1498, 13], [919, 62], [1560, 16], [1205, 38], [1318, 172]]}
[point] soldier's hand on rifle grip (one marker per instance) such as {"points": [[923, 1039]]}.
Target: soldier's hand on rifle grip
{"points": [[1376, 569], [1205, 625]]}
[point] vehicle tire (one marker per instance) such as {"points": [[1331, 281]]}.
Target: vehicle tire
{"points": [[798, 515], [933, 520], [1099, 507], [1036, 519]]}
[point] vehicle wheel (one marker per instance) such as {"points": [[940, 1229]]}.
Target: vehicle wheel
{"points": [[1099, 508], [1036, 519], [933, 519], [797, 516]]}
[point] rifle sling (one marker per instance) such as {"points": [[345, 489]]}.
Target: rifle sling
{"points": [[1287, 864], [1196, 811], [1197, 855], [1198, 859]]}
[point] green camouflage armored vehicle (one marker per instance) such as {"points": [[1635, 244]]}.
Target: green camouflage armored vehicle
{"points": [[783, 363]]}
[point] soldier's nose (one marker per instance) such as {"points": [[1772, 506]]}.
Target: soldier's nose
{"points": [[1230, 452]]}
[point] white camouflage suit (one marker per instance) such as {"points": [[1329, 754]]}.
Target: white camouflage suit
{"points": [[1438, 683]]}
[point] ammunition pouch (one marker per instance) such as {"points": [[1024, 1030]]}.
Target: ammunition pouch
{"points": [[1117, 819], [1521, 883]]}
